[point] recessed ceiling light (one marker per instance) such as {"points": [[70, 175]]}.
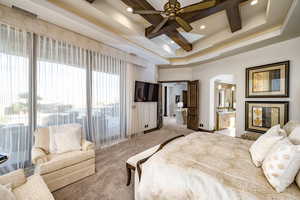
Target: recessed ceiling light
{"points": [[172, 42], [254, 2], [202, 27], [129, 9]]}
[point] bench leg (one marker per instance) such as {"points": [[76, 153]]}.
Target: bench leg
{"points": [[128, 174]]}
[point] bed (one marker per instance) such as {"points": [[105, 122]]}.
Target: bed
{"points": [[204, 166]]}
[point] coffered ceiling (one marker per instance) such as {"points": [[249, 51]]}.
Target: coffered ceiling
{"points": [[210, 37]]}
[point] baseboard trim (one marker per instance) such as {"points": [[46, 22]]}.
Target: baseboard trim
{"points": [[205, 130], [151, 130]]}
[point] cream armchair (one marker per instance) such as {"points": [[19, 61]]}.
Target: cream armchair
{"points": [[59, 170], [31, 188]]}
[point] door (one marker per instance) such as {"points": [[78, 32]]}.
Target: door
{"points": [[184, 98], [160, 107], [192, 104]]}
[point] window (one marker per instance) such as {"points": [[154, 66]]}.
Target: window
{"points": [[107, 120], [15, 134], [61, 84], [53, 84]]}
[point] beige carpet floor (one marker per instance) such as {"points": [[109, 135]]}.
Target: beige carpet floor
{"points": [[109, 182]]}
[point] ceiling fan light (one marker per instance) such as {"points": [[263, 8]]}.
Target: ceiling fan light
{"points": [[129, 9], [254, 2]]}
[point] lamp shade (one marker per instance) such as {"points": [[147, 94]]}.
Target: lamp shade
{"points": [[180, 104]]}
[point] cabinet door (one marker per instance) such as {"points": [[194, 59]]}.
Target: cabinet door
{"points": [[192, 97], [141, 116], [152, 116], [146, 110]]}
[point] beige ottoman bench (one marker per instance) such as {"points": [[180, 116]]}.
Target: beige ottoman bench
{"points": [[132, 161]]}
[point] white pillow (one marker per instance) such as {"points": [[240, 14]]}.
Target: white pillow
{"points": [[57, 130], [290, 126], [295, 136], [264, 143], [6, 192], [68, 140], [298, 179], [282, 165]]}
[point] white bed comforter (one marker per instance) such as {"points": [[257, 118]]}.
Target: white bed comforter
{"points": [[205, 166]]}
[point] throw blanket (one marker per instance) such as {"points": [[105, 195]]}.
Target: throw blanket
{"points": [[203, 166]]}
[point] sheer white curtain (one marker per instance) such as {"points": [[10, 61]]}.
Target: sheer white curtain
{"points": [[15, 122], [108, 99], [61, 83]]}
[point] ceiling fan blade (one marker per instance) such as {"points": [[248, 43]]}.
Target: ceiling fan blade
{"points": [[160, 25], [147, 12], [186, 26], [199, 6]]}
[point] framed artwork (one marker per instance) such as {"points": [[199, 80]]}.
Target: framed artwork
{"points": [[262, 115], [268, 81]]}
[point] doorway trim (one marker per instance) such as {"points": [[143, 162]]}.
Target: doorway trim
{"points": [[161, 115], [166, 103]]}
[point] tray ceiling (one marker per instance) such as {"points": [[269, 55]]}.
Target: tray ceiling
{"points": [[260, 20]]}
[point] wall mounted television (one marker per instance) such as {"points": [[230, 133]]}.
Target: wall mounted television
{"points": [[146, 92]]}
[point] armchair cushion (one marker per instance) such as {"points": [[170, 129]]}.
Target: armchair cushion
{"points": [[69, 140], [87, 145], [34, 189], [61, 161], [59, 131], [6, 193], [38, 156], [15, 178], [41, 137]]}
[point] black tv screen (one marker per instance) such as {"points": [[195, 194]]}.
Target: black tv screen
{"points": [[145, 92]]}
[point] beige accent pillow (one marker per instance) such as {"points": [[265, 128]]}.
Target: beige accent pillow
{"points": [[53, 130], [260, 148], [295, 136], [15, 178], [68, 139], [290, 126], [298, 179], [282, 165], [6, 193], [41, 139]]}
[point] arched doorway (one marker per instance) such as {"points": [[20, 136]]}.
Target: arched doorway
{"points": [[223, 104]]}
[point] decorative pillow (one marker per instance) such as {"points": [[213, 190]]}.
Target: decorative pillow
{"points": [[60, 130], [295, 136], [282, 165], [290, 126], [6, 192], [264, 143], [16, 178], [68, 140], [298, 179]]}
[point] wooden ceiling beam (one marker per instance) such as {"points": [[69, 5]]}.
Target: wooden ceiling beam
{"points": [[180, 40], [156, 19], [192, 17], [234, 18]]}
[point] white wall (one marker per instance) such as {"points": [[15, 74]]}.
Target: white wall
{"points": [[176, 74], [146, 74], [138, 73], [235, 65]]}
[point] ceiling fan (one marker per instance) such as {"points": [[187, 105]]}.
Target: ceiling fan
{"points": [[172, 9]]}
